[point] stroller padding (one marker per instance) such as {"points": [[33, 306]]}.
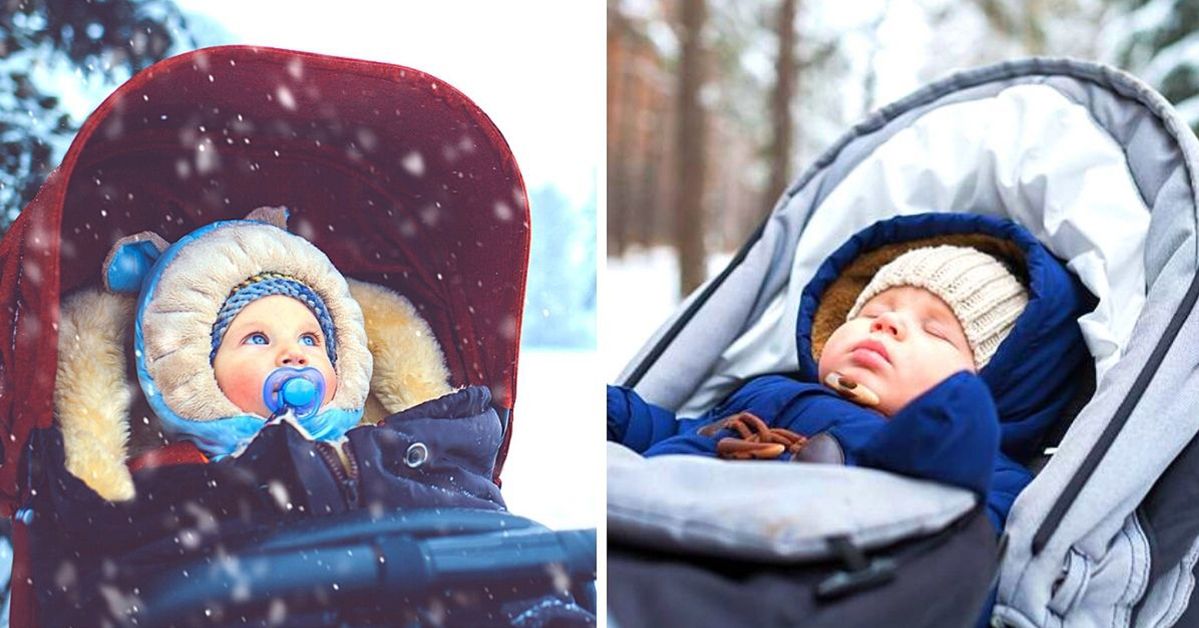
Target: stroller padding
{"points": [[771, 511], [1027, 153]]}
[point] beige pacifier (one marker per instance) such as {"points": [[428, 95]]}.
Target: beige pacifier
{"points": [[851, 389]]}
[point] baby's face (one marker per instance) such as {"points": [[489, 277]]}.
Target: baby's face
{"points": [[269, 333], [903, 342]]}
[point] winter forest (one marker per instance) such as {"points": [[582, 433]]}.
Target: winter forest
{"points": [[714, 107]]}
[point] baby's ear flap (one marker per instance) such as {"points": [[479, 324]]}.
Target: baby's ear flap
{"points": [[276, 216], [130, 261]]}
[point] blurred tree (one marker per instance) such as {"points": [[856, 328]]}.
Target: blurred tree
{"points": [[641, 108], [622, 128], [1022, 21], [794, 64], [739, 61], [983, 32], [1161, 45], [691, 141], [46, 40], [782, 122]]}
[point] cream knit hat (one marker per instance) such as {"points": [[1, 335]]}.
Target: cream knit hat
{"points": [[984, 296]]}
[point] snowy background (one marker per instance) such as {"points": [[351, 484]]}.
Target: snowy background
{"points": [[543, 88]]}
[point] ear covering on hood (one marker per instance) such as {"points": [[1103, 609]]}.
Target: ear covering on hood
{"points": [[1033, 373], [181, 292]]}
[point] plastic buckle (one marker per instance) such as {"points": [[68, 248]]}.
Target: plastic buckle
{"points": [[861, 574]]}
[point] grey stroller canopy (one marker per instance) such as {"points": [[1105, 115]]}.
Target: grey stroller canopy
{"points": [[1100, 169]]}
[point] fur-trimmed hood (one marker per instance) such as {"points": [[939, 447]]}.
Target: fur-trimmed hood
{"points": [[1033, 372], [181, 289], [106, 420]]}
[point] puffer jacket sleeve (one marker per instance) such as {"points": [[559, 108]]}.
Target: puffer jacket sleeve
{"points": [[1007, 481], [950, 434], [778, 400], [636, 423]]}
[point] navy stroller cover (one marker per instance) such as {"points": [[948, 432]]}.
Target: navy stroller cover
{"points": [[1101, 170], [403, 182]]}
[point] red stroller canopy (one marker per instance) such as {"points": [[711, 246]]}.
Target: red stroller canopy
{"points": [[396, 175]]}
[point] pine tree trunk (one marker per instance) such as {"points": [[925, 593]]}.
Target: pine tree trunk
{"points": [[690, 140], [782, 125], [621, 117]]}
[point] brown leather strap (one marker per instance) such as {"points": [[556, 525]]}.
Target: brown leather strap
{"points": [[756, 441]]}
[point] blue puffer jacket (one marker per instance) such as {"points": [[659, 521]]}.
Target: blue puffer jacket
{"points": [[969, 430]]}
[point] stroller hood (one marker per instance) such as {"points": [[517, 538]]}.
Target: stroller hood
{"points": [[1032, 375], [396, 176]]}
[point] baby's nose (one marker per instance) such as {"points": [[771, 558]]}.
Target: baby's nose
{"points": [[291, 358], [889, 324]]}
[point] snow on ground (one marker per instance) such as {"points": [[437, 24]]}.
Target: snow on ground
{"points": [[639, 291], [554, 473]]}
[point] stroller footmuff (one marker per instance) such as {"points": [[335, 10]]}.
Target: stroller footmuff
{"points": [[401, 519], [1100, 170], [741, 559]]}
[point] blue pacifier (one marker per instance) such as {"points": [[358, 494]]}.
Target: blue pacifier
{"points": [[298, 390]]}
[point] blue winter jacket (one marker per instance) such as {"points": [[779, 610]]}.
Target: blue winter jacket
{"points": [[970, 430]]}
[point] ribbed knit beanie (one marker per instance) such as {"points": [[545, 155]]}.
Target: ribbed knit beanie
{"points": [[983, 294]]}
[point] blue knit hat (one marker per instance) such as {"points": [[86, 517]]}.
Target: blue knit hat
{"points": [[269, 284]]}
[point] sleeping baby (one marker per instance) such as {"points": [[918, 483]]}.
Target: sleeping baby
{"points": [[897, 381]]}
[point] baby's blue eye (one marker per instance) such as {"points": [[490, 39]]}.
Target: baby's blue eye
{"points": [[309, 339], [257, 338]]}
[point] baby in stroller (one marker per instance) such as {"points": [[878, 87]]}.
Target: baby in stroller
{"points": [[240, 325], [897, 383], [256, 361], [258, 312]]}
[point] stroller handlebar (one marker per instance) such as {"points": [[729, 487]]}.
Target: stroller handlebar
{"points": [[393, 568]]}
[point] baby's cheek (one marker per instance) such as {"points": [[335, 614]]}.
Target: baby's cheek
{"points": [[834, 350], [330, 387], [245, 391], [330, 375]]}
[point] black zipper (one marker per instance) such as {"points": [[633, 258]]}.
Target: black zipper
{"points": [[345, 474]]}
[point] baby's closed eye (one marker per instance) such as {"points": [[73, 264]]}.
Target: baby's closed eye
{"points": [[938, 330], [870, 312]]}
